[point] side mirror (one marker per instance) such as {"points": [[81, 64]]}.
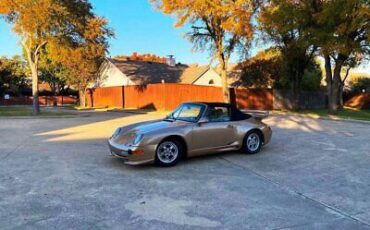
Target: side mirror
{"points": [[203, 120]]}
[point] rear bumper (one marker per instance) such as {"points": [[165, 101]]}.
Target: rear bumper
{"points": [[132, 155]]}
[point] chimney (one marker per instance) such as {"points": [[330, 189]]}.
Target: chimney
{"points": [[171, 61]]}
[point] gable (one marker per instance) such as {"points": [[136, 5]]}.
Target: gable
{"points": [[210, 77], [192, 73], [109, 75]]}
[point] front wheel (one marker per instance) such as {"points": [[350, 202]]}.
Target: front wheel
{"points": [[168, 153], [252, 142]]}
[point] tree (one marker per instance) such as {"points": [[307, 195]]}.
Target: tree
{"points": [[287, 24], [83, 58], [312, 77], [13, 75], [261, 70], [42, 23], [52, 73], [342, 32], [266, 69], [361, 83], [220, 26], [339, 29], [142, 57]]}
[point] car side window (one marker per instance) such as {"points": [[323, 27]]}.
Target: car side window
{"points": [[219, 114]]}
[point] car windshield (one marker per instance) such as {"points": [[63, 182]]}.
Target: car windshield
{"points": [[187, 112]]}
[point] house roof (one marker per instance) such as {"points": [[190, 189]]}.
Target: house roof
{"points": [[192, 73], [233, 73], [143, 72]]}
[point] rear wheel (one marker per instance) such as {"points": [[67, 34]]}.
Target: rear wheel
{"points": [[168, 153], [252, 142]]}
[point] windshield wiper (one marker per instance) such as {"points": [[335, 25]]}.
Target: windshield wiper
{"points": [[170, 119]]}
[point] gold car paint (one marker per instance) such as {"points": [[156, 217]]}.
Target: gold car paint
{"points": [[200, 137]]}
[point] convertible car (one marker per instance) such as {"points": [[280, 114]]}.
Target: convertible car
{"points": [[190, 130]]}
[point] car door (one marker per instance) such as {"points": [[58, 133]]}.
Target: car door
{"points": [[217, 133]]}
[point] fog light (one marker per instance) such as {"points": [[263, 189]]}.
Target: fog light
{"points": [[138, 152]]}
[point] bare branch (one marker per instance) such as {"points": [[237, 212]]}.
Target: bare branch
{"points": [[200, 34], [347, 74], [40, 46]]}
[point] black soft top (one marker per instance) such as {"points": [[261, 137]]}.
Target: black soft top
{"points": [[236, 114]]}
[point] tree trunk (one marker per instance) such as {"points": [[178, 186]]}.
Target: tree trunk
{"points": [[35, 88], [225, 84], [33, 62], [333, 108], [329, 84], [336, 86], [340, 96], [82, 97], [333, 94], [297, 91]]}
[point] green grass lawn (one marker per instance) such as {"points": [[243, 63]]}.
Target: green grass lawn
{"points": [[25, 111], [346, 113]]}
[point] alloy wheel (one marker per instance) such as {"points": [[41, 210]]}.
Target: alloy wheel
{"points": [[167, 152], [253, 142]]}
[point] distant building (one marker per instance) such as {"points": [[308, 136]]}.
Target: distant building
{"points": [[123, 72]]}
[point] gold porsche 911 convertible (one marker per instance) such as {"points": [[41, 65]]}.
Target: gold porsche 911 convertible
{"points": [[192, 129]]}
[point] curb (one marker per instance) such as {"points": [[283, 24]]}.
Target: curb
{"points": [[322, 118], [344, 120], [41, 117], [139, 111]]}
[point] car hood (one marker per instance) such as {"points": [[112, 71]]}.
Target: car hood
{"points": [[156, 125], [129, 133]]}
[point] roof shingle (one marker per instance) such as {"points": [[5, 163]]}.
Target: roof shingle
{"points": [[143, 72]]}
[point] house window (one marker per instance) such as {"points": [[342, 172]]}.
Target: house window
{"points": [[211, 82]]}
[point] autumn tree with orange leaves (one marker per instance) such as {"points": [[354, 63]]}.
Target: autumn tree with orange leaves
{"points": [[142, 57], [220, 26], [48, 24], [82, 60]]}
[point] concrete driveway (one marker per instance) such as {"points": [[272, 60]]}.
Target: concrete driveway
{"points": [[57, 174]]}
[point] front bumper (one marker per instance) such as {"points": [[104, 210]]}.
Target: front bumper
{"points": [[133, 155]]}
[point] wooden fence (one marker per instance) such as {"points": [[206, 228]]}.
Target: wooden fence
{"points": [[284, 100], [260, 99], [105, 97], [168, 96], [43, 100]]}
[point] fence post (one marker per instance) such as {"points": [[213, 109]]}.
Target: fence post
{"points": [[123, 96], [232, 96]]}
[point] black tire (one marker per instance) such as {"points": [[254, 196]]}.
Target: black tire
{"points": [[168, 153], [251, 147]]}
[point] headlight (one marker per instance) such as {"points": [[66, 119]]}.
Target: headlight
{"points": [[137, 139], [116, 133]]}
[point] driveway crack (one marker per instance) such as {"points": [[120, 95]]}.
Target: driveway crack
{"points": [[12, 151], [297, 193]]}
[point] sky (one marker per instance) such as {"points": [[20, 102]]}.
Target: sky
{"points": [[138, 28]]}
